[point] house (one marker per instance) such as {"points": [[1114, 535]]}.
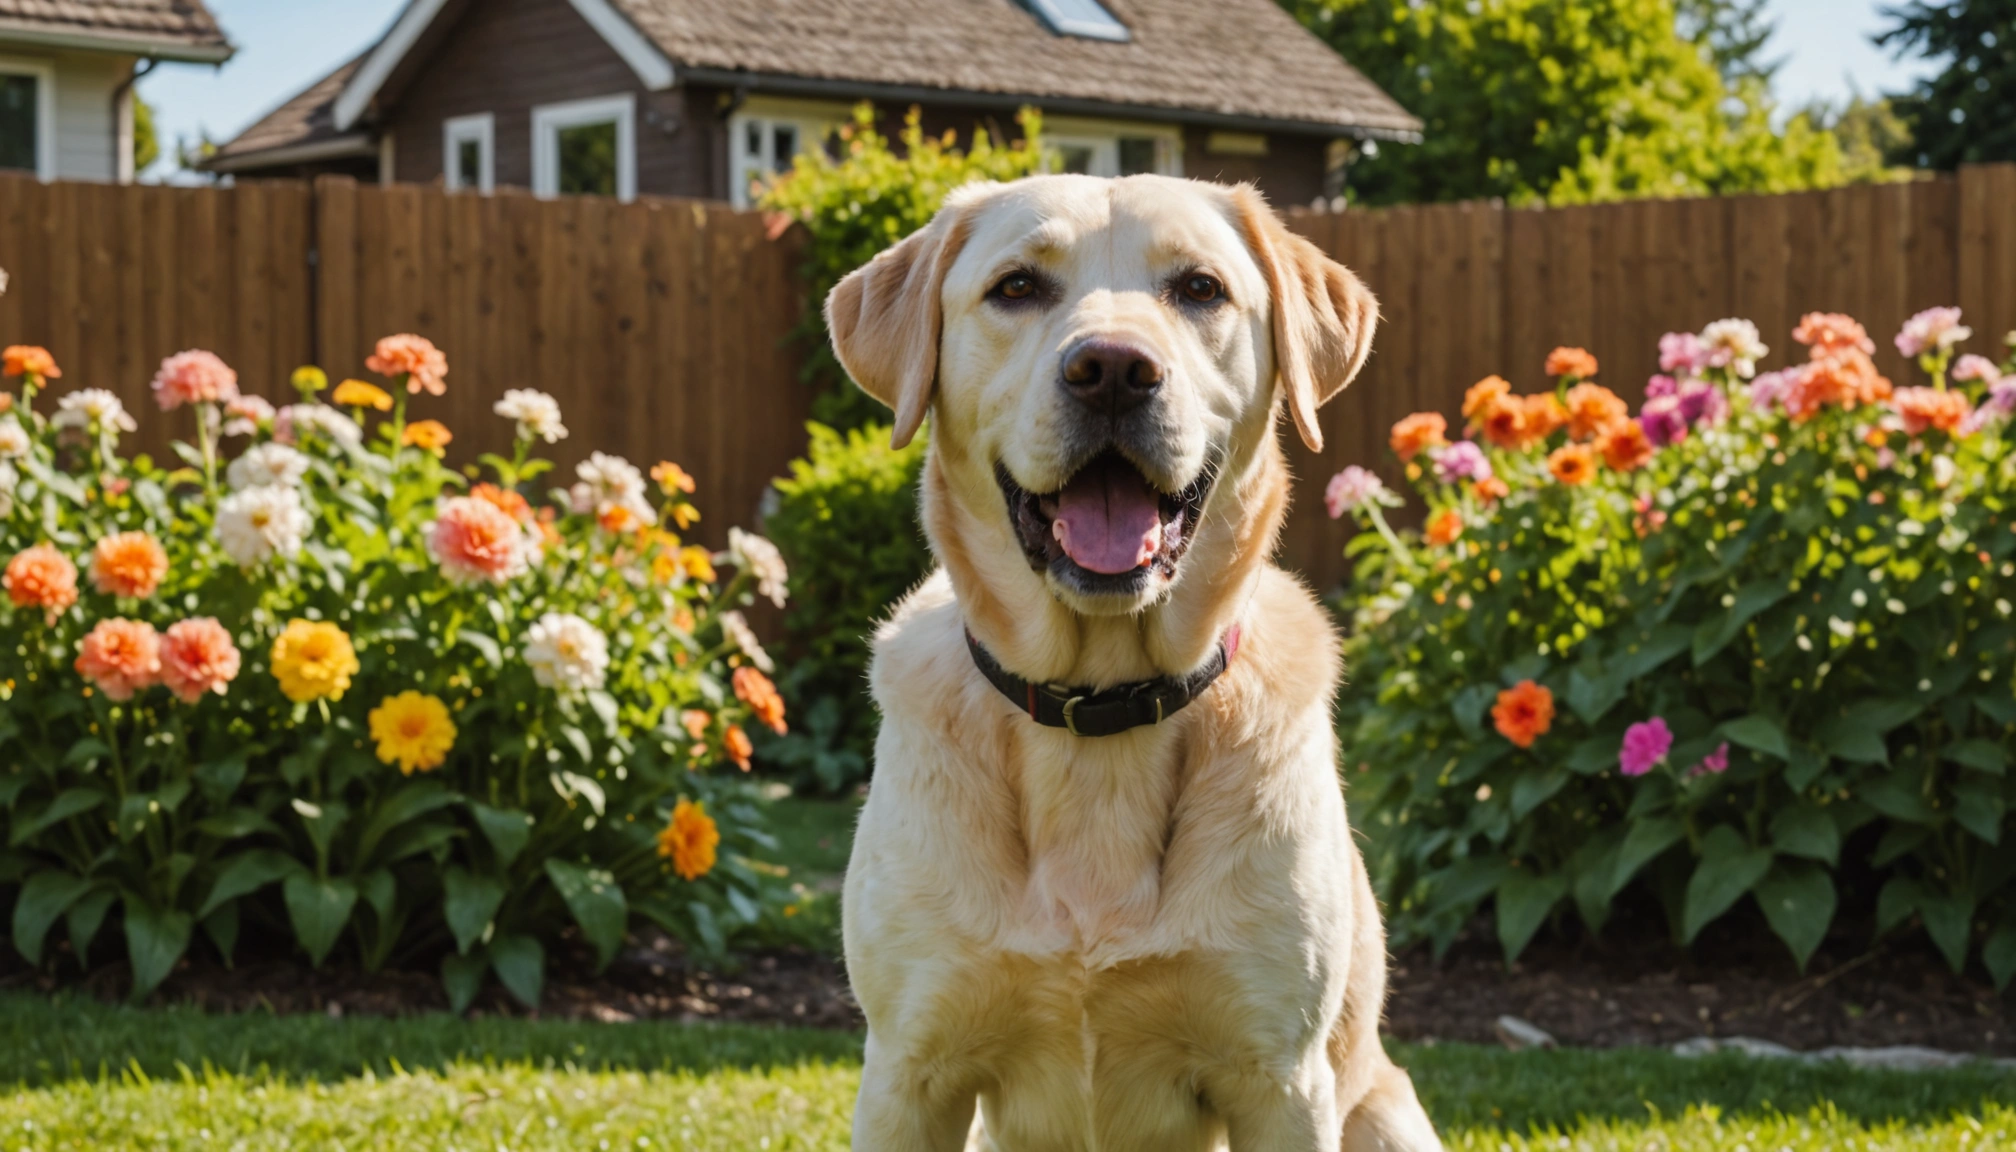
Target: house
{"points": [[704, 98], [67, 69]]}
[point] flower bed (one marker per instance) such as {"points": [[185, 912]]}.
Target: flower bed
{"points": [[333, 688], [1755, 640]]}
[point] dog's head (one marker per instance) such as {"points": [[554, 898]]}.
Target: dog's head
{"points": [[1105, 359]]}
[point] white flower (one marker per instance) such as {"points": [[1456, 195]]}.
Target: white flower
{"points": [[1842, 628], [537, 414], [13, 439], [1735, 345], [736, 629], [93, 408], [246, 414], [266, 465], [760, 558], [9, 480], [262, 522], [566, 653], [609, 483], [320, 419], [1943, 470]]}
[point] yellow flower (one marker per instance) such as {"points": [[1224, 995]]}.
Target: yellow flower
{"points": [[431, 435], [413, 731], [313, 660], [699, 563], [684, 514], [362, 394], [671, 478], [689, 840], [309, 380]]}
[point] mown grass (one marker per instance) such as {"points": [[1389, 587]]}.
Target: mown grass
{"points": [[75, 1074]]}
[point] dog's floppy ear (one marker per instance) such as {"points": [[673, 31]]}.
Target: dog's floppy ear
{"points": [[885, 318], [1323, 316]]}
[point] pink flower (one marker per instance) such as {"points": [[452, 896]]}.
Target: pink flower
{"points": [[476, 540], [1768, 391], [1935, 329], [197, 656], [1715, 762], [1683, 352], [1645, 744], [1702, 402], [1663, 421], [1462, 460], [194, 377], [1972, 367], [1354, 488], [246, 414], [120, 657], [1659, 386], [414, 357]]}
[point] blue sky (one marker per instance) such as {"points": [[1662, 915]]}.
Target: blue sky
{"points": [[285, 44]]}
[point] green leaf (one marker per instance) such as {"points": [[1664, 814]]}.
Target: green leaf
{"points": [[1898, 841], [470, 903], [1985, 755], [1729, 866], [43, 898], [1523, 903], [1999, 955], [1593, 695], [1759, 734], [2000, 709], [85, 751], [1857, 732], [413, 800], [1594, 756], [521, 966], [1534, 787], [1949, 921], [69, 802], [484, 645], [1646, 840], [1651, 650], [1717, 631], [506, 829], [1469, 707], [1899, 898], [1978, 807], [596, 900], [322, 821], [155, 940], [246, 872], [713, 944], [235, 823], [1896, 795], [1593, 866], [462, 978], [1806, 830], [84, 919], [1803, 767], [1798, 903], [1464, 883], [318, 910], [222, 928]]}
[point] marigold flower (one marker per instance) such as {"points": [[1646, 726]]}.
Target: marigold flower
{"points": [[1573, 362], [1483, 396], [308, 379], [737, 743], [1645, 744], [1594, 410], [413, 731], [428, 435], [128, 564], [475, 540], [197, 656], [504, 500], [671, 478], [1841, 377], [756, 690], [361, 394], [1416, 432], [1523, 713], [1833, 332], [120, 657], [1505, 424], [1625, 447], [689, 840], [41, 577], [313, 660], [1572, 464], [1445, 527], [194, 377], [1491, 489], [1544, 415], [1923, 408], [414, 357], [30, 360]]}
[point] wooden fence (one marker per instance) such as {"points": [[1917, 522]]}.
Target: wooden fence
{"points": [[662, 326]]}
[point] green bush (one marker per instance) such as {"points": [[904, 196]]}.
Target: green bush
{"points": [[870, 198], [846, 522], [1774, 618]]}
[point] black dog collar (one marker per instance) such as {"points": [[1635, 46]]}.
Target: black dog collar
{"points": [[1083, 712]]}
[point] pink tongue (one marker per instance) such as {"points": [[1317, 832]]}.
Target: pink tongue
{"points": [[1108, 518]]}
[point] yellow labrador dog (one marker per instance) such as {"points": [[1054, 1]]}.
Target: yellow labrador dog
{"points": [[1103, 887]]}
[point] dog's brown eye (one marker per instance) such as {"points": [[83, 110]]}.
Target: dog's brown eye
{"points": [[1202, 289], [1016, 286]]}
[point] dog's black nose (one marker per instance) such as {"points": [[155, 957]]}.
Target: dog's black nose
{"points": [[1110, 377]]}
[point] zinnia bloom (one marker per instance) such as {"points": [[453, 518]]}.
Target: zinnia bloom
{"points": [[1483, 396], [194, 377], [1682, 352], [120, 657], [504, 500], [1445, 527], [566, 653], [13, 437], [1421, 430], [313, 660], [737, 743], [197, 656], [1523, 713], [414, 357], [1662, 421], [267, 466], [473, 539], [427, 435], [1833, 332], [1594, 410], [1572, 362], [1735, 345], [756, 690], [30, 360], [41, 577], [1505, 424], [361, 394], [413, 731], [689, 840], [1462, 460], [247, 414], [1843, 377], [1702, 403], [609, 482], [1923, 408], [1356, 488], [1572, 464], [1645, 744], [259, 523], [1544, 415], [128, 564], [1626, 448], [93, 409], [537, 414], [1972, 367], [1933, 330], [758, 557]]}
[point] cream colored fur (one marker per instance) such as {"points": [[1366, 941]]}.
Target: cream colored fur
{"points": [[1163, 939]]}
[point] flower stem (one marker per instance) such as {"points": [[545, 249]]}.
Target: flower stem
{"points": [[1386, 533]]}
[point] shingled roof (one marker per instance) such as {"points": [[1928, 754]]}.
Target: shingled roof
{"points": [[304, 126], [168, 29]]}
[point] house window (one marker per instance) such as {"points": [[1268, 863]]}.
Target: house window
{"points": [[763, 147], [468, 153], [28, 117], [1113, 150], [1086, 18], [585, 148]]}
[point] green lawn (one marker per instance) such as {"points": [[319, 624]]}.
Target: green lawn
{"points": [[79, 1075]]}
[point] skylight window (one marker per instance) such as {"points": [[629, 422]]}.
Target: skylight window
{"points": [[1087, 18]]}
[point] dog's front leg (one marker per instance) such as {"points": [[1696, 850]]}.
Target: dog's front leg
{"points": [[900, 1110], [1298, 1114]]}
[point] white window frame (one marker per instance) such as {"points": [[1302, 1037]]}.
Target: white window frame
{"points": [[811, 119], [459, 130], [549, 119], [1102, 138], [44, 73]]}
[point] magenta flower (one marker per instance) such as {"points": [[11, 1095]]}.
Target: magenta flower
{"points": [[1462, 460], [1645, 744], [1715, 762], [1702, 402], [1663, 421], [1662, 385]]}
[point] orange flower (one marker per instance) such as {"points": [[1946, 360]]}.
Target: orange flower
{"points": [[689, 840], [414, 357], [120, 657], [616, 519], [695, 722], [1524, 713], [361, 394], [1484, 396], [504, 500], [1421, 430], [755, 689], [1490, 489], [1504, 424], [1576, 362], [739, 748], [128, 564], [1843, 377], [1924, 408], [6, 402], [1444, 527], [671, 478], [1625, 447], [1832, 332], [41, 577], [1594, 410], [431, 435], [474, 540], [1572, 464], [197, 656], [1544, 415], [30, 360]]}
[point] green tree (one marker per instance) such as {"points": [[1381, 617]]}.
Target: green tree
{"points": [[1534, 100], [1734, 33], [1967, 113], [1869, 132], [146, 145]]}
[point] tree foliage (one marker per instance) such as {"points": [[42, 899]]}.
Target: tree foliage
{"points": [[1967, 113]]}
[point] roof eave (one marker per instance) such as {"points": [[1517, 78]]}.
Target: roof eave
{"points": [[156, 47], [351, 144]]}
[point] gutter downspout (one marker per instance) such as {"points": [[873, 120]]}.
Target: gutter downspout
{"points": [[124, 123]]}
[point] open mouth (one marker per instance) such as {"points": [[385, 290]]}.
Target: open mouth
{"points": [[1108, 529]]}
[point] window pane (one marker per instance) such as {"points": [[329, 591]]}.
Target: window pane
{"points": [[17, 122], [785, 136], [588, 160], [1137, 155], [468, 164], [752, 141], [1074, 158]]}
